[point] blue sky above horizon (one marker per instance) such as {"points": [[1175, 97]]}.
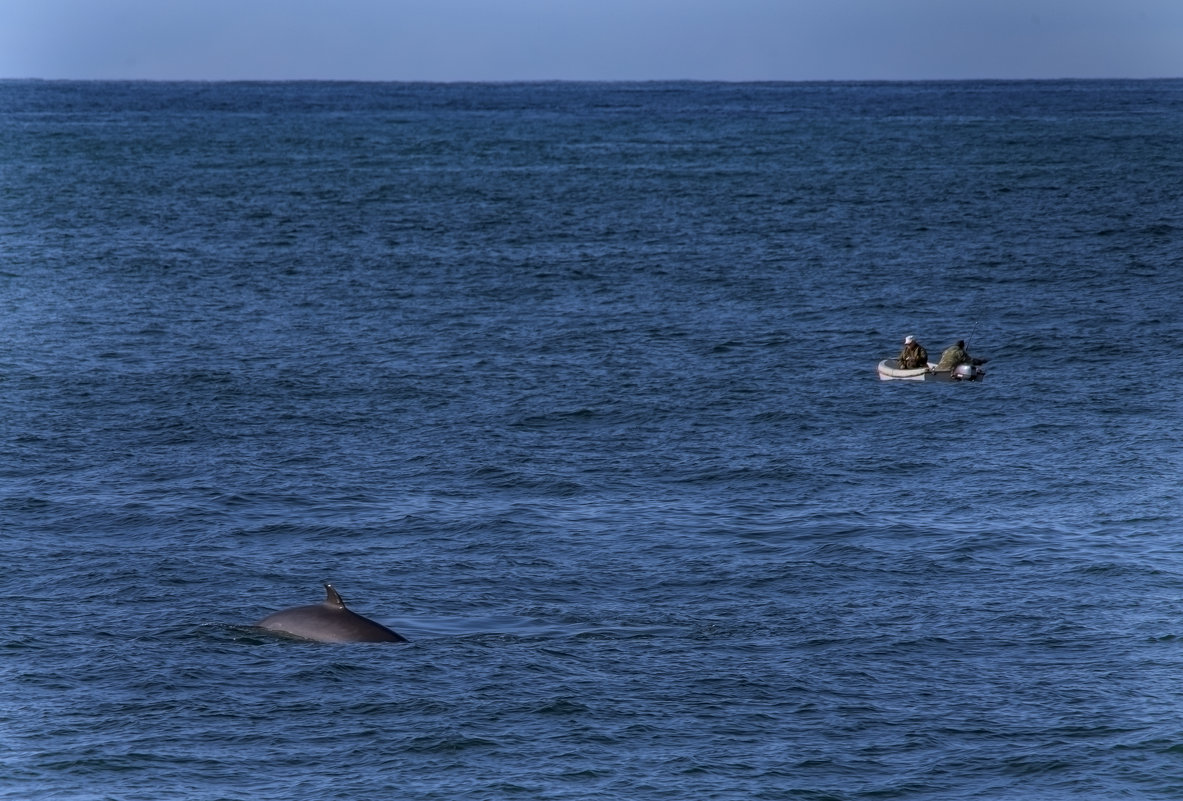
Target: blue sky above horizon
{"points": [[510, 40]]}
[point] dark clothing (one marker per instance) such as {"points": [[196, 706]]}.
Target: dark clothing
{"points": [[953, 356], [912, 356]]}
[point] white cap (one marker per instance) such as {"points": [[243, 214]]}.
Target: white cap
{"points": [[909, 339]]}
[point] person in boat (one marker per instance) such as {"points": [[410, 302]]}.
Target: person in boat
{"points": [[955, 355], [913, 355]]}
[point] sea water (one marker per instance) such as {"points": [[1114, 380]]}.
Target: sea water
{"points": [[574, 386]]}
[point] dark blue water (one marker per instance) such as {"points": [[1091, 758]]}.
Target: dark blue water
{"points": [[573, 385]]}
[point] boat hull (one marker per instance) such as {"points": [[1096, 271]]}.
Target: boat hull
{"points": [[888, 371]]}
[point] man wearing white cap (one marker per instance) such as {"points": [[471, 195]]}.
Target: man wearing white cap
{"points": [[913, 355]]}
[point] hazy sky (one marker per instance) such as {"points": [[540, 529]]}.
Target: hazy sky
{"points": [[500, 40]]}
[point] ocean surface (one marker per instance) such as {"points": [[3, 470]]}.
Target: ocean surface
{"points": [[574, 386]]}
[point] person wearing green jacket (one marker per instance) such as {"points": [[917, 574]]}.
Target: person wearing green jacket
{"points": [[954, 355], [913, 355]]}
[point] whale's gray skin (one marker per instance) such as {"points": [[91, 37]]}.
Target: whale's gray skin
{"points": [[328, 621]]}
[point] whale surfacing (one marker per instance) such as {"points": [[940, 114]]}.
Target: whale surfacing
{"points": [[328, 621]]}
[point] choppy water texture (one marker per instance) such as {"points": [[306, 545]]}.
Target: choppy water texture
{"points": [[573, 385]]}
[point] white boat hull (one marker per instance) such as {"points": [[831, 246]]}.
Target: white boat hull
{"points": [[888, 371]]}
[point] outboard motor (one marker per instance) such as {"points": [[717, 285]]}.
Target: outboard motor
{"points": [[967, 372]]}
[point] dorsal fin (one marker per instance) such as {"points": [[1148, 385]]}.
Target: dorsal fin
{"points": [[332, 597]]}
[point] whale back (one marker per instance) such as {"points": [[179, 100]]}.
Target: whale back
{"points": [[328, 621]]}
